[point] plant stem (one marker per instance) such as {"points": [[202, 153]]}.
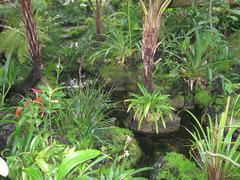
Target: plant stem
{"points": [[224, 157], [210, 13], [129, 23]]}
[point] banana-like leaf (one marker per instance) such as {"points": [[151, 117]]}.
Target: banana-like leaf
{"points": [[73, 160]]}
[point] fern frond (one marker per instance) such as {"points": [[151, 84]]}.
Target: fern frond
{"points": [[22, 50], [14, 42]]}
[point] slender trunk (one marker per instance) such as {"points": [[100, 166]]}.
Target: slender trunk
{"points": [[149, 45], [98, 19], [147, 72], [34, 45]]}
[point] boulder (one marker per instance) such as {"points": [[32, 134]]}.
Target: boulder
{"points": [[149, 127]]}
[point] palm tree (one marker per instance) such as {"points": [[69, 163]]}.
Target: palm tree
{"points": [[33, 43], [153, 11]]}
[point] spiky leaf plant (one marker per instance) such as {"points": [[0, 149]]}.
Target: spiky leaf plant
{"points": [[214, 148], [150, 106]]}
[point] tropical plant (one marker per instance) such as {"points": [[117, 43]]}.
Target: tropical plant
{"points": [[34, 116], [153, 11], [21, 37], [118, 171], [150, 106], [116, 47], [53, 161], [7, 78], [86, 121], [202, 57], [215, 149]]}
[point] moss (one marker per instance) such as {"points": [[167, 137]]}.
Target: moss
{"points": [[176, 166], [114, 71], [219, 103], [123, 140], [203, 98]]}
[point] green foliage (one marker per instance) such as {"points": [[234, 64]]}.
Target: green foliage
{"points": [[13, 41], [203, 98], [218, 153], [35, 149], [73, 160], [230, 87], [202, 57], [149, 107], [119, 171], [7, 78], [34, 115], [176, 166], [51, 162], [115, 47], [86, 121]]}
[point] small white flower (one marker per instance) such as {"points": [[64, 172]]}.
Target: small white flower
{"points": [[3, 168], [126, 154], [129, 139]]}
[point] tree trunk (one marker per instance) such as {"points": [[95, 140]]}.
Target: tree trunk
{"points": [[149, 45], [98, 19], [34, 45], [147, 72]]}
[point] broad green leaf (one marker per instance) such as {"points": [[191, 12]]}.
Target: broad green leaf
{"points": [[74, 159], [34, 173]]}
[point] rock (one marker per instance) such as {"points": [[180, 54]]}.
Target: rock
{"points": [[124, 143], [149, 127], [177, 102], [189, 101]]}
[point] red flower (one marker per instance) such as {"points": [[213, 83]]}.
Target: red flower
{"points": [[27, 103], [36, 91], [38, 100], [18, 111]]}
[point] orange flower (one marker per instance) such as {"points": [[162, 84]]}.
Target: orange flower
{"points": [[18, 111]]}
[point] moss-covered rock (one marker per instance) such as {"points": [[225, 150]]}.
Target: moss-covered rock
{"points": [[124, 143], [178, 102], [188, 100], [203, 98], [176, 166], [114, 72], [172, 125]]}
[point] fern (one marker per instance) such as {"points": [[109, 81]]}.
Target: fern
{"points": [[13, 41]]}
